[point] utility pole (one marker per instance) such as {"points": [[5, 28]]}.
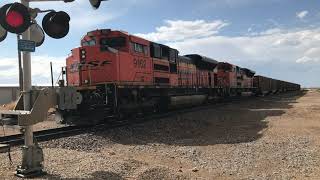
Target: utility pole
{"points": [[20, 65], [52, 85]]}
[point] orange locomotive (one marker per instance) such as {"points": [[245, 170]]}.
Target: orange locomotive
{"points": [[118, 73]]}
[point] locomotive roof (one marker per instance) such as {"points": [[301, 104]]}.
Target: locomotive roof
{"points": [[185, 59], [248, 70], [198, 57], [161, 45], [203, 61]]}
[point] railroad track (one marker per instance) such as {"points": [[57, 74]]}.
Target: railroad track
{"points": [[45, 135]]}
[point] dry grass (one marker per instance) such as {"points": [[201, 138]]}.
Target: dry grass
{"points": [[9, 106]]}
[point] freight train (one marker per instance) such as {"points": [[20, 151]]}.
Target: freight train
{"points": [[114, 73]]}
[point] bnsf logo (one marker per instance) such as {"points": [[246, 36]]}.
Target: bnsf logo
{"points": [[90, 64]]}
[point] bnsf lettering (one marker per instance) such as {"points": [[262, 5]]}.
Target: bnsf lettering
{"points": [[97, 63], [76, 66], [140, 63], [93, 63]]}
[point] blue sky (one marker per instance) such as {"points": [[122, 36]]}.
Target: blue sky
{"points": [[276, 38]]}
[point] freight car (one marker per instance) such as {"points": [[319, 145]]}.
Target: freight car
{"points": [[265, 85], [115, 73]]}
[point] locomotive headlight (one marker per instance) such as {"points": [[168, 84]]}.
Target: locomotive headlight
{"points": [[83, 54]]}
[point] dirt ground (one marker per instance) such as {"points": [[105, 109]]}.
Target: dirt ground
{"points": [[50, 123], [265, 138], [6, 130]]}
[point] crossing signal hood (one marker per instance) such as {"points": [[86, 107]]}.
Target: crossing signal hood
{"points": [[56, 24], [37, 34], [15, 18], [96, 3]]}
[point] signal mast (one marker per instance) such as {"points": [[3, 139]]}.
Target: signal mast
{"points": [[19, 18]]}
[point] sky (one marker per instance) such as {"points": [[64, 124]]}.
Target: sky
{"points": [[276, 38]]}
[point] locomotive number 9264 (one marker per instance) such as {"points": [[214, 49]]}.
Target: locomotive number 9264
{"points": [[140, 63]]}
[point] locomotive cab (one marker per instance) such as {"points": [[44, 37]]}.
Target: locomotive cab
{"points": [[105, 55], [105, 63], [95, 60]]}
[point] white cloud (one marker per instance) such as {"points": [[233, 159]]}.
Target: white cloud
{"points": [[201, 37], [306, 59], [302, 14], [40, 69], [285, 54], [286, 46], [310, 56], [183, 30], [271, 31], [92, 19]]}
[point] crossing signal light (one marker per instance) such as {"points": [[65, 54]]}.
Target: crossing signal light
{"points": [[15, 18], [3, 33], [96, 3], [56, 24]]}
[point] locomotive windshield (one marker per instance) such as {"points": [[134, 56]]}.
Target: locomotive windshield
{"points": [[89, 43], [114, 42]]}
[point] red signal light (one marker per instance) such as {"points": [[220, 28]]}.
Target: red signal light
{"points": [[15, 18]]}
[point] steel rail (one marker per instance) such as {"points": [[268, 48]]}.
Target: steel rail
{"points": [[42, 135]]}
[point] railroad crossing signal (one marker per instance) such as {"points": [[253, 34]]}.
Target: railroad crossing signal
{"points": [[56, 24], [15, 18], [19, 18]]}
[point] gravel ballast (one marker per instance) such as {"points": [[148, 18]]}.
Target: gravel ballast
{"points": [[264, 138]]}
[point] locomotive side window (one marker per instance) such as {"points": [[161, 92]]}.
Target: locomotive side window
{"points": [[89, 43], [155, 50], [173, 54], [138, 47], [115, 42], [165, 52]]}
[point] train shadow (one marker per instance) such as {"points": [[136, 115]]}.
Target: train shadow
{"points": [[230, 123]]}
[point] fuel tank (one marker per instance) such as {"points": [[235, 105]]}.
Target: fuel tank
{"points": [[192, 100]]}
